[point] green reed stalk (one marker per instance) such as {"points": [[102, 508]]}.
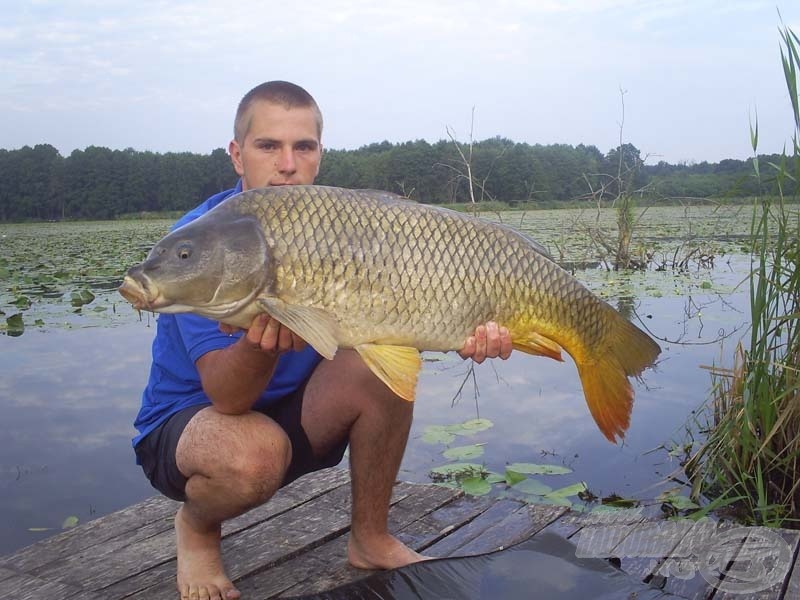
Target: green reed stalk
{"points": [[750, 461]]}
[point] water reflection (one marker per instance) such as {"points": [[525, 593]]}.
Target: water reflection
{"points": [[68, 399], [67, 404]]}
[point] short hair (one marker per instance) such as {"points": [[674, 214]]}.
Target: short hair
{"points": [[288, 95]]}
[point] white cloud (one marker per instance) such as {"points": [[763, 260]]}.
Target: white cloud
{"points": [[537, 71]]}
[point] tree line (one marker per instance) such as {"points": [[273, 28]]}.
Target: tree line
{"points": [[37, 183]]}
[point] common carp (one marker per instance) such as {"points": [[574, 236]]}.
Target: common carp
{"points": [[389, 277]]}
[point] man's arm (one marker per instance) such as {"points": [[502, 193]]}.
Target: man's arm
{"points": [[233, 378]]}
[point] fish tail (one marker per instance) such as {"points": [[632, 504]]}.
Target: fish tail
{"points": [[625, 351]]}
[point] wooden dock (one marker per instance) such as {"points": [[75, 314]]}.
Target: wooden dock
{"points": [[295, 545]]}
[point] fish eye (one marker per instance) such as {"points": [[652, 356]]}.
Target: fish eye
{"points": [[184, 251]]}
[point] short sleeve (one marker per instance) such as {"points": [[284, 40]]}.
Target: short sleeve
{"points": [[201, 335]]}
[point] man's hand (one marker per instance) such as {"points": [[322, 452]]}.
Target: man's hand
{"points": [[489, 341], [269, 335]]}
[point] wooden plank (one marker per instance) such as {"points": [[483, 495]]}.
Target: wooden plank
{"points": [[680, 571], [257, 547], [22, 586], [420, 500], [792, 590], [304, 489], [126, 556], [648, 545], [514, 528], [154, 513], [436, 525], [263, 545], [567, 526], [450, 545], [326, 566], [603, 532], [766, 556]]}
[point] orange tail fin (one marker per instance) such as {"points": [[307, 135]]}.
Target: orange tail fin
{"points": [[624, 352]]}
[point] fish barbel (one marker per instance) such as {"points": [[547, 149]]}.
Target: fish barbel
{"points": [[389, 277]]}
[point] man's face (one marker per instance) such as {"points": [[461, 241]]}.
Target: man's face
{"points": [[281, 147]]}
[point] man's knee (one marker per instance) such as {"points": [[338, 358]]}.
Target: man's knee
{"points": [[248, 453], [263, 463]]}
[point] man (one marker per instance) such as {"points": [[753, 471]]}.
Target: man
{"points": [[228, 418]]}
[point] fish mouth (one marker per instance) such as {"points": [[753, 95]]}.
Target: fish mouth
{"points": [[139, 294]]}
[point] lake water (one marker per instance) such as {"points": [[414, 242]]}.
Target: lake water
{"points": [[70, 385]]}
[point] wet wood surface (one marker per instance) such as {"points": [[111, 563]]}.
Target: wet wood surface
{"points": [[296, 544]]}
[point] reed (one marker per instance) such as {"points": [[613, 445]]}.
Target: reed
{"points": [[750, 461]]}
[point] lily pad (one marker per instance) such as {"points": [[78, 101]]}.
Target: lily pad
{"points": [[81, 297], [470, 427], [533, 487], [493, 477], [677, 501], [476, 486], [513, 477], [22, 302], [464, 452], [533, 469], [15, 326], [570, 490], [437, 434]]}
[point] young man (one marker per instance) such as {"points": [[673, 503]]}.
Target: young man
{"points": [[228, 418]]}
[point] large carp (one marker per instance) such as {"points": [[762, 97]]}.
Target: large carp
{"points": [[372, 271]]}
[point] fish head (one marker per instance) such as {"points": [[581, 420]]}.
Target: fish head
{"points": [[213, 266]]}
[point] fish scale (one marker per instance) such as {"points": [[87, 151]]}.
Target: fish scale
{"points": [[406, 288], [389, 277]]}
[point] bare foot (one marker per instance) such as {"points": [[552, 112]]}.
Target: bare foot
{"points": [[380, 552], [200, 571]]}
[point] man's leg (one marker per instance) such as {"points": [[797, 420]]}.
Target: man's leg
{"points": [[232, 464], [344, 396]]}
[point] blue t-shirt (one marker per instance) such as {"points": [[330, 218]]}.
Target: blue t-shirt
{"points": [[182, 339]]}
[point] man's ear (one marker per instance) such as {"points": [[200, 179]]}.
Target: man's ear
{"points": [[321, 152], [236, 157]]}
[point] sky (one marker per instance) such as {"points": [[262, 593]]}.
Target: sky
{"points": [[167, 76]]}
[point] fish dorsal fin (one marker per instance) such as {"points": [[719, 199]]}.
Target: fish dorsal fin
{"points": [[316, 326], [534, 343], [396, 366]]}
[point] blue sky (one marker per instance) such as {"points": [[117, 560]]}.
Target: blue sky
{"points": [[166, 76]]}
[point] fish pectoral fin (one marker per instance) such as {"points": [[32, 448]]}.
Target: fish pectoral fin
{"points": [[316, 326], [535, 343], [396, 366]]}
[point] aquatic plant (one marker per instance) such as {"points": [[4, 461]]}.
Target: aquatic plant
{"points": [[477, 480], [750, 460]]}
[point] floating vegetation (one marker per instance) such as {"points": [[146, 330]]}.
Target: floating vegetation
{"points": [[61, 275], [750, 461], [68, 523], [475, 479]]}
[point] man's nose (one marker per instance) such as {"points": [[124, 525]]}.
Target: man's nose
{"points": [[286, 162]]}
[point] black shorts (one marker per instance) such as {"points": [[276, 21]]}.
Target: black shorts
{"points": [[157, 451]]}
